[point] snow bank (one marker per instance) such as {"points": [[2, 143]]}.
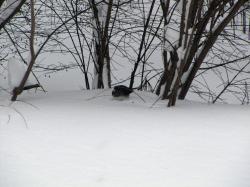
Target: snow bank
{"points": [[75, 140]]}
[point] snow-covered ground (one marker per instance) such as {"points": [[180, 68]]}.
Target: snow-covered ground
{"points": [[72, 139]]}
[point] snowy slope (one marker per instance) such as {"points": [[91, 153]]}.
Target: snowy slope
{"points": [[73, 139]]}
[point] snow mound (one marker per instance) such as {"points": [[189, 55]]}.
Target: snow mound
{"points": [[78, 139]]}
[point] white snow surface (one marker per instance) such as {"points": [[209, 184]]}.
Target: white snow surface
{"points": [[72, 139], [105, 74], [16, 71], [172, 37]]}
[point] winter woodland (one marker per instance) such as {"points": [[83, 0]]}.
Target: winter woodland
{"points": [[124, 93], [170, 48]]}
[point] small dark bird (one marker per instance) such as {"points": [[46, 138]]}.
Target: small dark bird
{"points": [[121, 90]]}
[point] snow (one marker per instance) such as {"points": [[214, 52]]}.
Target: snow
{"points": [[179, 6], [102, 13], [16, 71], [88, 139], [105, 74], [188, 4], [172, 37]]}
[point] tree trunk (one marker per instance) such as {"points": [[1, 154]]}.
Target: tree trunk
{"points": [[102, 16], [186, 59], [11, 10], [18, 90]]}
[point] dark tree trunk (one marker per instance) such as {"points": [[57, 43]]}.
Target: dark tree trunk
{"points": [[18, 90], [13, 13]]}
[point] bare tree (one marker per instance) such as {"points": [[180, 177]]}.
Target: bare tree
{"points": [[18, 90], [101, 22], [201, 23], [190, 35]]}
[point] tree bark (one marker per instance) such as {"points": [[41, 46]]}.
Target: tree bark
{"points": [[191, 49], [18, 90], [102, 72], [208, 45]]}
